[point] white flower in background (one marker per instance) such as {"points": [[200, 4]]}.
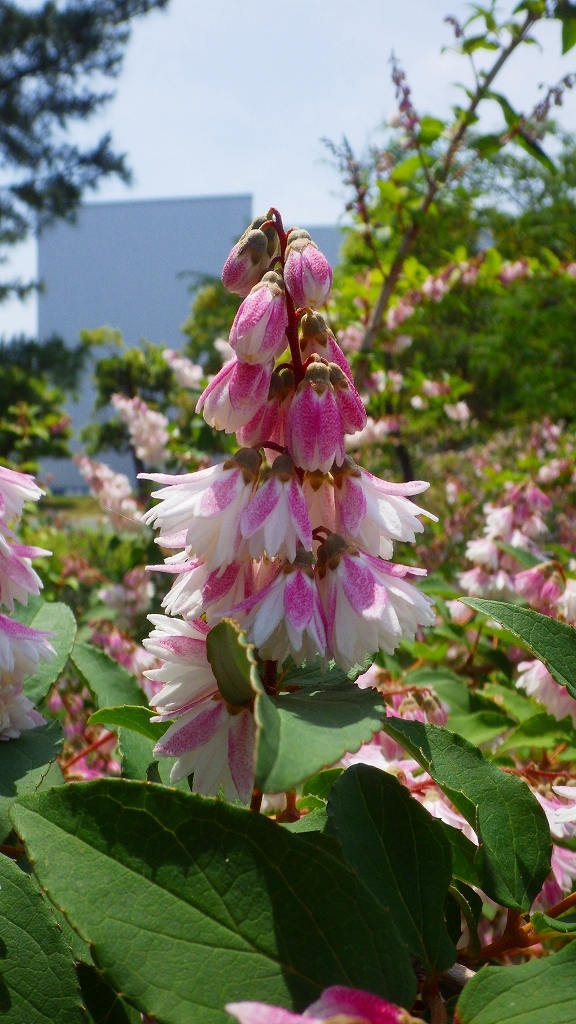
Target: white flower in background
{"points": [[17, 712], [113, 491], [147, 429], [459, 412], [188, 374], [537, 682]]}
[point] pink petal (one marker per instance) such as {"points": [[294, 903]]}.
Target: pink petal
{"points": [[217, 586], [387, 487], [193, 734], [358, 584], [261, 1013], [353, 1002], [241, 737], [260, 506], [351, 505], [183, 646], [219, 495], [299, 600], [299, 512]]}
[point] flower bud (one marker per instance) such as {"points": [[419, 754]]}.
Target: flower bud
{"points": [[249, 258], [314, 432], [348, 400], [268, 424], [235, 395], [307, 271], [257, 334], [317, 338]]}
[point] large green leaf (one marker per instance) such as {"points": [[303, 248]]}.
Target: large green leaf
{"points": [[400, 853], [541, 731], [514, 853], [538, 992], [130, 716], [189, 902], [232, 661], [568, 34], [463, 855], [300, 733], [101, 1001], [554, 643], [37, 978], [110, 683], [55, 618], [480, 726], [23, 765]]}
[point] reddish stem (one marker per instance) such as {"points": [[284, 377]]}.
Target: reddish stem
{"points": [[270, 444], [256, 801], [15, 852], [88, 750], [270, 676], [292, 328]]}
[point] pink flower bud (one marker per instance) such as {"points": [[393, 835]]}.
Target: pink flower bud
{"points": [[314, 432], [257, 334], [268, 424], [348, 401], [235, 395], [317, 338], [336, 1003], [249, 258], [307, 271]]}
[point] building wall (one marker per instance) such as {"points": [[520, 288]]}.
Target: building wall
{"points": [[129, 265]]}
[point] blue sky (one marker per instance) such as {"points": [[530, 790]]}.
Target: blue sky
{"points": [[221, 96]]}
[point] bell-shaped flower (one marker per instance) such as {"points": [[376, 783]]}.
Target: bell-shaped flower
{"points": [[22, 648], [269, 422], [215, 741], [17, 577], [276, 517], [307, 272], [318, 491], [348, 401], [258, 332], [338, 1004], [535, 679], [15, 489], [197, 591], [208, 505], [186, 675], [235, 395], [368, 604], [285, 617], [248, 260], [374, 512], [541, 586], [317, 338], [483, 551], [314, 431], [17, 712]]}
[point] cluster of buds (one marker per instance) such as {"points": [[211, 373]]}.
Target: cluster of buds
{"points": [[295, 550], [22, 648], [147, 428], [113, 491]]}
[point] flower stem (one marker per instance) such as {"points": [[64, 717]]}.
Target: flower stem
{"points": [[292, 328]]}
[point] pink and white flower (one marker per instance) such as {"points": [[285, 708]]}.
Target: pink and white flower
{"points": [[186, 674], [146, 426], [208, 505], [22, 649], [15, 489], [536, 681], [317, 339], [483, 551], [567, 602], [188, 374], [314, 432], [197, 591], [318, 491], [337, 1003], [285, 617], [113, 491], [374, 512], [215, 742], [248, 260], [368, 604], [258, 332], [276, 517], [459, 613], [458, 413], [269, 422], [17, 577], [235, 395], [307, 271], [541, 585], [348, 401], [17, 712]]}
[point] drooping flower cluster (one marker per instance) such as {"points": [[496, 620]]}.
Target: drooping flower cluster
{"points": [[147, 429], [113, 491], [297, 549], [337, 1003], [22, 648]]}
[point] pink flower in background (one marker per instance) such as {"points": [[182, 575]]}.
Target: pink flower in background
{"points": [[188, 374], [235, 395], [130, 598], [536, 680], [398, 314], [484, 552], [459, 413], [208, 505], [215, 741], [276, 517], [459, 613], [350, 338], [147, 429], [113, 491], [335, 1003], [541, 585], [514, 271], [15, 489], [257, 334], [17, 712], [374, 432], [307, 271], [435, 288]]}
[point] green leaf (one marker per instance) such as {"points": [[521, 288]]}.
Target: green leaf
{"points": [[110, 683], [429, 130], [104, 1005], [321, 785], [232, 661], [189, 902], [541, 731], [543, 923], [135, 717], [514, 852], [24, 763], [554, 643], [538, 992], [516, 704], [463, 855], [400, 853], [58, 619], [407, 169], [525, 558], [37, 979], [300, 733], [568, 34], [480, 726], [136, 752]]}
